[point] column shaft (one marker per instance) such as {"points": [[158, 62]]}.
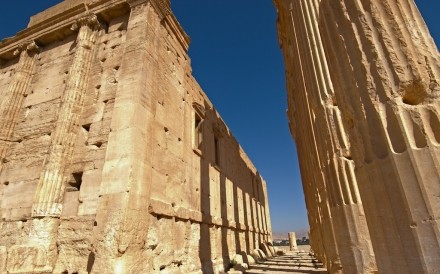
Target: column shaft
{"points": [[50, 189], [12, 102], [317, 126], [385, 70]]}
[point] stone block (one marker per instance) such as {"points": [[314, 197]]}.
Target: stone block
{"points": [[18, 194], [70, 204], [21, 213], [74, 245], [91, 183], [27, 259], [238, 259]]}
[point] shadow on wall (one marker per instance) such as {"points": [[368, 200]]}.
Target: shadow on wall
{"points": [[233, 205]]}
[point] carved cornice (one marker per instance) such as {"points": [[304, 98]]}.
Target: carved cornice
{"points": [[162, 7], [64, 18]]}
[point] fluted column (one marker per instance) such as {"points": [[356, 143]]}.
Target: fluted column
{"points": [[50, 189], [319, 132], [10, 105], [385, 71]]}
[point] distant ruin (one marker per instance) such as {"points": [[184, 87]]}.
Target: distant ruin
{"points": [[113, 160]]}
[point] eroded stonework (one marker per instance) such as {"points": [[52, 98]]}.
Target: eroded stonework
{"points": [[363, 91], [113, 160]]}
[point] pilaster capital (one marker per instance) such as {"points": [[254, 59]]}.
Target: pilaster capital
{"points": [[28, 46], [88, 19], [199, 109]]}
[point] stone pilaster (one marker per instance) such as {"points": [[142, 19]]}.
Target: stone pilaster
{"points": [[11, 104], [50, 189], [122, 216]]}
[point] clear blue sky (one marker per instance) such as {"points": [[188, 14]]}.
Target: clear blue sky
{"points": [[237, 61]]}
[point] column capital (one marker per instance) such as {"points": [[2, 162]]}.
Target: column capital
{"points": [[89, 19], [28, 46]]}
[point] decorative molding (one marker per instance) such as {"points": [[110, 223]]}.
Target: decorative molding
{"points": [[162, 7]]}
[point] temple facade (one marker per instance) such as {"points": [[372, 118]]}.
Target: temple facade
{"points": [[113, 160]]}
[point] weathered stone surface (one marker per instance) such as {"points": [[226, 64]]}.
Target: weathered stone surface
{"points": [[113, 160], [257, 255], [74, 242], [338, 231], [238, 259], [28, 259], [241, 267], [3, 257], [247, 258], [362, 79], [267, 250], [292, 241]]}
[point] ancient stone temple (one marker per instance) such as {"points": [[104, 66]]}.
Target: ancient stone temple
{"points": [[113, 160], [364, 109]]}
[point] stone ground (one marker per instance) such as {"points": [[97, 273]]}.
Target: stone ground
{"points": [[293, 262]]}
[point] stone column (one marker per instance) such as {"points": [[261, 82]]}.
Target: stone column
{"points": [[267, 212], [292, 241], [320, 135], [50, 189], [385, 72], [11, 104]]}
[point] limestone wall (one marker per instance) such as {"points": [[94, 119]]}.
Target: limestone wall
{"points": [[363, 100], [113, 158]]}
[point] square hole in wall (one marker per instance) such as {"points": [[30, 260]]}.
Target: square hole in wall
{"points": [[75, 182]]}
